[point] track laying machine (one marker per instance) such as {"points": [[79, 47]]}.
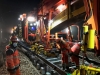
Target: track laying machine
{"points": [[51, 38]]}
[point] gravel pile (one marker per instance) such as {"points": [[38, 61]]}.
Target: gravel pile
{"points": [[91, 56]]}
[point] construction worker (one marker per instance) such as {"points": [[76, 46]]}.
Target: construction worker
{"points": [[75, 50], [67, 50], [12, 60], [64, 47]]}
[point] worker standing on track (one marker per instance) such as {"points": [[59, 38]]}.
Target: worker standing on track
{"points": [[12, 57]]}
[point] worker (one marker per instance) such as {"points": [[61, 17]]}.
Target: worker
{"points": [[67, 50], [12, 60], [64, 47], [75, 50]]}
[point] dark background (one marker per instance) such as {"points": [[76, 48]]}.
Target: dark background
{"points": [[10, 11]]}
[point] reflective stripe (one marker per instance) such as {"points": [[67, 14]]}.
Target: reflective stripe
{"points": [[15, 56], [17, 65], [12, 50], [9, 57]]}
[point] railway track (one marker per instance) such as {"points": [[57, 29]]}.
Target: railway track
{"points": [[46, 65], [49, 64]]}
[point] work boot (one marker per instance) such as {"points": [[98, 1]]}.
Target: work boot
{"points": [[63, 66]]}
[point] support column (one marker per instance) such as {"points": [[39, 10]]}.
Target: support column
{"points": [[50, 16]]}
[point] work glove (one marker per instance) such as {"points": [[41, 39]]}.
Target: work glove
{"points": [[10, 51], [71, 53]]}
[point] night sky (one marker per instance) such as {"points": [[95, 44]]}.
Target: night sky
{"points": [[10, 11]]}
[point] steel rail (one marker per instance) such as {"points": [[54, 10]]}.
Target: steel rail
{"points": [[57, 69]]}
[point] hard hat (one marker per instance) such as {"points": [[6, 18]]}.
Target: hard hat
{"points": [[13, 38]]}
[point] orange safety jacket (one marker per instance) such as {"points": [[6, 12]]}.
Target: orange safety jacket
{"points": [[64, 51], [12, 61]]}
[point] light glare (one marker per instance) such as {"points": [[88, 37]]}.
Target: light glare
{"points": [[31, 19]]}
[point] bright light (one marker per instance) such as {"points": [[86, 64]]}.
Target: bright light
{"points": [[15, 27], [45, 18], [21, 16], [18, 39], [18, 18], [31, 24], [73, 2], [61, 38], [11, 31], [33, 28], [50, 22], [61, 7], [56, 35], [56, 23], [67, 30], [31, 19], [35, 24]]}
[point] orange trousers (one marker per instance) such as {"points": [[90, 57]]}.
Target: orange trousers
{"points": [[16, 73]]}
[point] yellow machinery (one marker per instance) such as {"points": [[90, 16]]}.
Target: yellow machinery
{"points": [[88, 44], [85, 38], [90, 40], [86, 70]]}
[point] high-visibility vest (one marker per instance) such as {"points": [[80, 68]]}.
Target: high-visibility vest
{"points": [[12, 61]]}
